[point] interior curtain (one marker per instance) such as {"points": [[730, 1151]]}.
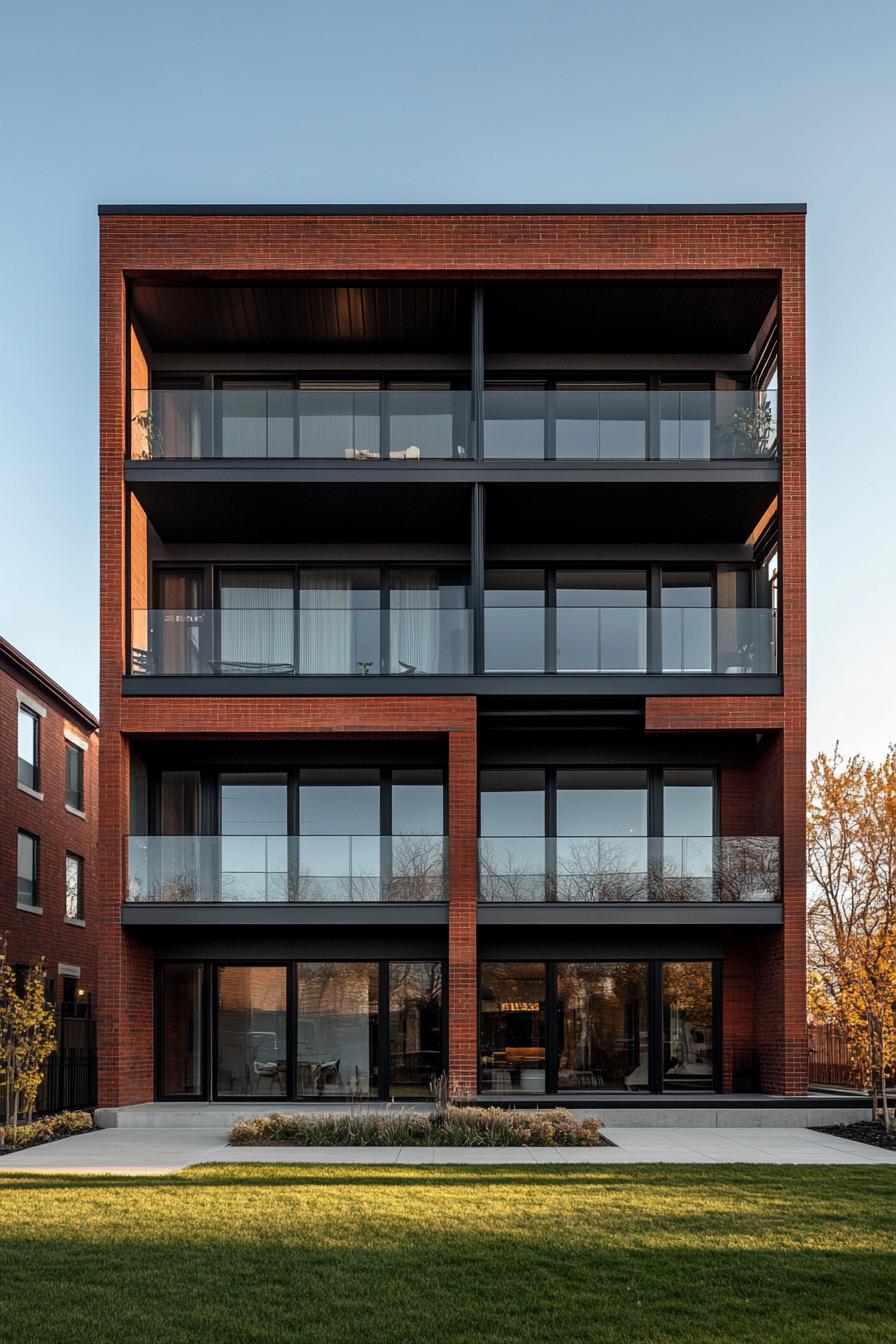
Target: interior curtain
{"points": [[414, 621], [338, 421], [326, 625], [256, 621]]}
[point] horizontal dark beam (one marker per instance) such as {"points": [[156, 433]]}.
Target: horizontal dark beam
{"points": [[491, 684], [765, 208], [435, 472], [246, 915], [555, 914]]}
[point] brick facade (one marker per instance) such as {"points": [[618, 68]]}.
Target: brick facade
{"points": [[767, 795], [59, 831]]}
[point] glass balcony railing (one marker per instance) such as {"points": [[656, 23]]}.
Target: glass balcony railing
{"points": [[629, 868], [597, 424], [313, 641], [213, 869], [399, 425], [667, 640]]}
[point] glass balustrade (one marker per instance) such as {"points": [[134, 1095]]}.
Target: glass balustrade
{"points": [[399, 425], [201, 869], [629, 868]]}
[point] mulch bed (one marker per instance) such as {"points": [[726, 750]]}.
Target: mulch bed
{"points": [[863, 1131]]}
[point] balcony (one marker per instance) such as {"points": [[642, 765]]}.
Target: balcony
{"points": [[600, 424], [312, 641], [629, 869], [282, 423], [682, 641], [438, 641], [281, 869], [573, 425]]}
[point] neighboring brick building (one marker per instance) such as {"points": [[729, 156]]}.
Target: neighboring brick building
{"points": [[49, 810], [453, 651]]}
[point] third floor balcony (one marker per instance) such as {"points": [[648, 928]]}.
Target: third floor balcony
{"points": [[572, 423]]}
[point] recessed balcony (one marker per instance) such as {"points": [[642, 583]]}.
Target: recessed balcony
{"points": [[573, 424], [424, 641], [284, 869], [629, 869]]}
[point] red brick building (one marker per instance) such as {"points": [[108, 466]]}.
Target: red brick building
{"points": [[453, 651], [49, 808]]}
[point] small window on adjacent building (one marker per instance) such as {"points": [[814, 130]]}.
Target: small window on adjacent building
{"points": [[74, 886], [29, 748], [26, 871], [74, 777]]}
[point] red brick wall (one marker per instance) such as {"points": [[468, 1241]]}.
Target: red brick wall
{"points": [[30, 936], [371, 247]]}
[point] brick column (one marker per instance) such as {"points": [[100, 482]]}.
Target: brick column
{"points": [[463, 1045]]}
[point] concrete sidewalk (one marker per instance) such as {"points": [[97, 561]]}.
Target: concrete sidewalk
{"points": [[159, 1152]]}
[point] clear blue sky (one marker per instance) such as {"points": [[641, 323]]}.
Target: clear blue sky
{"points": [[491, 100]]}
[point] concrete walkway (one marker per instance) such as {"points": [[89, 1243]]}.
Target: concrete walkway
{"points": [[158, 1152]]}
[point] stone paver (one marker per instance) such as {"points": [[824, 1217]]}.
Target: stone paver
{"points": [[153, 1151]]}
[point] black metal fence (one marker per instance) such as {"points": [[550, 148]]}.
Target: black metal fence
{"points": [[70, 1079]]}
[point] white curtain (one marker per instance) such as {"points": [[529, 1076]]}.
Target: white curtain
{"points": [[326, 623], [339, 421], [256, 621], [414, 621]]}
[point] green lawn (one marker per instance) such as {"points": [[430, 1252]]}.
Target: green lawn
{"points": [[450, 1255]]}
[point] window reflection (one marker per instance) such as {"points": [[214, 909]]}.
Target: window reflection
{"points": [[336, 1029], [251, 1027], [254, 847], [687, 1026], [512, 1026], [181, 1045], [415, 1026], [512, 826], [602, 1026]]}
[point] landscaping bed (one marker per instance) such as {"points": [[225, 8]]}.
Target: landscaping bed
{"points": [[44, 1130], [451, 1127], [864, 1131]]}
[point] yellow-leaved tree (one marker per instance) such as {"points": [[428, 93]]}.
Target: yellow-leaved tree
{"points": [[27, 1037], [852, 907]]}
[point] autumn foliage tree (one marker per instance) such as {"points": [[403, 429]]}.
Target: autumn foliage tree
{"points": [[27, 1037], [852, 907]]}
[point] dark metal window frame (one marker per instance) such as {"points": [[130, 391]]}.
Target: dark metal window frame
{"points": [[79, 914], [35, 730], [34, 903], [655, 1028], [209, 1026]]}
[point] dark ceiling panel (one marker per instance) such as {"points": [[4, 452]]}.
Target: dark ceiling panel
{"points": [[627, 317], [279, 317]]}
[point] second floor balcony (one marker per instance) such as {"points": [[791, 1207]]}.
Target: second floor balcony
{"points": [[426, 640]]}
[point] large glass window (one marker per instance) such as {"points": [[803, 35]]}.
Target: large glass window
{"points": [[602, 835], [429, 621], [340, 852], [181, 1029], [514, 620], [417, 847], [601, 620], [26, 870], [339, 420], [74, 887], [687, 621], [512, 826], [601, 421], [255, 621], [339, 621], [251, 1031], [337, 1026], [687, 1026], [74, 776], [29, 748], [515, 420], [602, 1026], [512, 1026], [179, 640], [254, 847], [415, 1026], [688, 828]]}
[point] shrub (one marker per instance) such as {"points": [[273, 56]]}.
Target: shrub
{"points": [[452, 1126], [44, 1130]]}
